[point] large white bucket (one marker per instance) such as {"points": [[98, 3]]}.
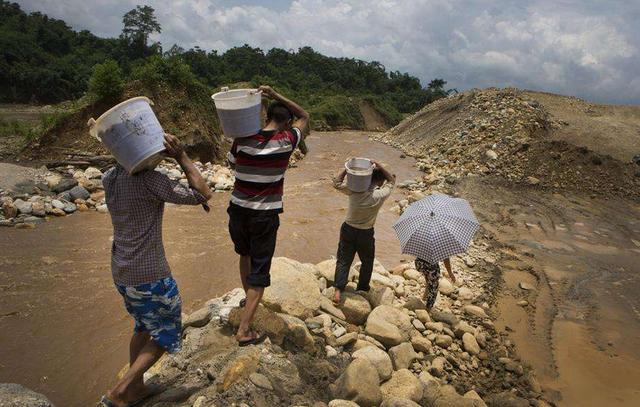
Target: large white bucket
{"points": [[359, 171], [132, 133], [239, 111]]}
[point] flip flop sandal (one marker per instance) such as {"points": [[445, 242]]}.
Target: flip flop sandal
{"points": [[259, 338], [243, 302], [105, 402], [153, 391]]}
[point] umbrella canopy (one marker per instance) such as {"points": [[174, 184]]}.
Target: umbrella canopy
{"points": [[436, 227]]}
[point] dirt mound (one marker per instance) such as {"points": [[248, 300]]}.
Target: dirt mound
{"points": [[509, 133], [191, 117], [373, 120]]}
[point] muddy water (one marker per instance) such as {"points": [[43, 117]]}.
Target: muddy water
{"points": [[63, 329], [581, 331]]}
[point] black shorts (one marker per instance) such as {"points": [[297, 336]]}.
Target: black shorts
{"points": [[255, 235]]}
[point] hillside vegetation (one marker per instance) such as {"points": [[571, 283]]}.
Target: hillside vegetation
{"points": [[42, 60]]}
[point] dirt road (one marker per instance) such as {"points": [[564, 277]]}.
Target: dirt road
{"points": [[64, 329]]}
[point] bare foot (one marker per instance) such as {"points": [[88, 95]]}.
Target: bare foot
{"points": [[336, 297]]}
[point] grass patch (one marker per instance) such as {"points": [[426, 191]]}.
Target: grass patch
{"points": [[335, 112]]}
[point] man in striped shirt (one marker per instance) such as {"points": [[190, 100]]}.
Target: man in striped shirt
{"points": [[260, 162]]}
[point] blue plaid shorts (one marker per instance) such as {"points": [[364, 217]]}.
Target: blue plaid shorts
{"points": [[156, 308]]}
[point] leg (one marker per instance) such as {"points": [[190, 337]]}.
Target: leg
{"points": [[432, 276], [367, 254], [245, 269], [123, 392], [138, 342], [344, 258], [254, 295]]}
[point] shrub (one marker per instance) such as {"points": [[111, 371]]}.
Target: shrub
{"points": [[337, 112], [106, 81]]}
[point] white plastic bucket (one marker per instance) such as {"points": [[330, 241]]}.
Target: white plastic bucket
{"points": [[239, 111], [132, 133], [359, 171]]}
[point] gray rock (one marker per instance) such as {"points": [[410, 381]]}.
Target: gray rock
{"points": [[23, 207], [526, 286], [444, 317], [379, 358], [56, 203], [33, 219], [69, 207], [297, 332], [389, 325], [491, 155], [402, 356], [461, 328], [355, 308], [15, 395], [418, 325], [414, 303], [260, 381], [198, 318], [347, 339], [359, 383], [64, 184], [79, 192]]}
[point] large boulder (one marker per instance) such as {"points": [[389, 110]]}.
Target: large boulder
{"points": [[359, 383], [355, 308], [293, 291], [15, 395], [379, 358], [327, 269], [446, 396], [403, 384], [265, 321], [389, 325], [297, 333], [380, 295]]}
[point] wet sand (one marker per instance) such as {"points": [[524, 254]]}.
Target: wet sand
{"points": [[581, 331], [64, 329]]}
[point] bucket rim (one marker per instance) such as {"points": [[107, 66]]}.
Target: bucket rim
{"points": [[350, 171], [255, 92], [119, 105]]}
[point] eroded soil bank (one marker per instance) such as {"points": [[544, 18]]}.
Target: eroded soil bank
{"points": [[64, 330]]}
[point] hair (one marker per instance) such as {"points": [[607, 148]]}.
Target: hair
{"points": [[377, 177], [279, 113]]}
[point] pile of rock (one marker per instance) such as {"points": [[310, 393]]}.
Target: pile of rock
{"points": [[66, 190], [376, 348]]}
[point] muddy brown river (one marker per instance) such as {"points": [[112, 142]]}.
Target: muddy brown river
{"points": [[63, 329]]}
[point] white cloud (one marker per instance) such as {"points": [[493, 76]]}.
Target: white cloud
{"points": [[582, 48]]}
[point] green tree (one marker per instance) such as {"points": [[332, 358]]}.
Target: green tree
{"points": [[139, 24], [106, 82]]}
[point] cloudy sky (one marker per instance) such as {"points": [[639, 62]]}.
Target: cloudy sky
{"points": [[587, 48]]}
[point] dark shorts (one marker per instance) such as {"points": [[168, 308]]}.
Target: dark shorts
{"points": [[157, 309], [255, 236]]}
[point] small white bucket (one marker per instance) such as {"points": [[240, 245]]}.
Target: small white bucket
{"points": [[359, 171], [239, 111], [132, 133]]}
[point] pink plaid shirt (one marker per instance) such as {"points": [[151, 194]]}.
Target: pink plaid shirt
{"points": [[136, 205]]}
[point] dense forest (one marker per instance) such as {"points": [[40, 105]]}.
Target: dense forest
{"points": [[42, 60]]}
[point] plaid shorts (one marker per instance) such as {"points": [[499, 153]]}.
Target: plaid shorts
{"points": [[156, 308]]}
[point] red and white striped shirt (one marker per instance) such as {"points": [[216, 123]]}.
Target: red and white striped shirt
{"points": [[260, 162]]}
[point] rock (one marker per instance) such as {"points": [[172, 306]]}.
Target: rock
{"points": [[505, 399], [9, 210], [33, 220], [471, 394], [413, 274], [320, 321], [64, 184], [380, 295], [69, 207], [261, 381], [418, 325], [423, 316], [79, 192], [355, 307], [469, 262], [57, 212], [402, 356], [23, 207], [435, 326], [403, 384], [399, 402], [475, 311], [389, 325], [421, 344], [52, 180], [342, 403], [470, 344], [327, 306], [526, 286], [427, 380], [446, 396], [293, 291], [57, 204], [414, 303], [331, 351], [347, 339], [264, 320], [491, 155], [444, 341], [102, 208], [461, 328], [445, 317], [378, 358], [15, 395], [512, 366], [359, 383], [465, 294], [445, 287], [297, 333], [38, 209], [327, 269], [437, 366], [283, 375], [92, 173], [533, 181], [198, 318]]}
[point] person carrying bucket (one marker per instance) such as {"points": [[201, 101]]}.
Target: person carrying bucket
{"points": [[357, 231], [139, 267], [260, 161]]}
